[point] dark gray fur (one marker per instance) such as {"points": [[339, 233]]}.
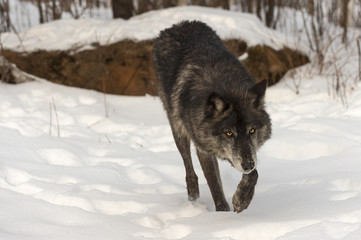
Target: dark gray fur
{"points": [[208, 93]]}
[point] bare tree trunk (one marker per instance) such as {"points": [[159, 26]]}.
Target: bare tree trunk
{"points": [[156, 4], [57, 11], [343, 19], [332, 12], [67, 5], [319, 17], [96, 3], [214, 3], [258, 9], [143, 6], [316, 35], [358, 39], [225, 4], [169, 3], [40, 9], [5, 23], [270, 13], [199, 2], [250, 6], [310, 7], [122, 8]]}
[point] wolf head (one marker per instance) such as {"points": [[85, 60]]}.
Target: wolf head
{"points": [[235, 127]]}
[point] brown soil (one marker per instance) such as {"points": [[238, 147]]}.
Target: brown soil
{"points": [[126, 67]]}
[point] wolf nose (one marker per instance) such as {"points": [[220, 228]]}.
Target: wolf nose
{"points": [[248, 165]]}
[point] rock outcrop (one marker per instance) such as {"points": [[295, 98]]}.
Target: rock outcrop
{"points": [[126, 67]]}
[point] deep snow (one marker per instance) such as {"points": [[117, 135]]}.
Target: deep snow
{"points": [[115, 173]]}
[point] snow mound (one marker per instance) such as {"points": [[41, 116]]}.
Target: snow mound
{"points": [[82, 33]]}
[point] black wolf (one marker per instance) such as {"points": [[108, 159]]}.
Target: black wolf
{"points": [[211, 100]]}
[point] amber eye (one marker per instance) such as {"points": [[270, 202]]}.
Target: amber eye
{"points": [[252, 130], [229, 134]]}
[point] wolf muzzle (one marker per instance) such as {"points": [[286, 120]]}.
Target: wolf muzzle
{"points": [[248, 165]]}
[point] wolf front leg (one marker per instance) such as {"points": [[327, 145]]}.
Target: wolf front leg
{"points": [[245, 191], [211, 172], [183, 145]]}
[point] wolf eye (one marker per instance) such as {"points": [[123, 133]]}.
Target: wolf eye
{"points": [[252, 130], [229, 134]]}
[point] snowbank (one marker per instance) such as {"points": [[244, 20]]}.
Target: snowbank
{"points": [[70, 33]]}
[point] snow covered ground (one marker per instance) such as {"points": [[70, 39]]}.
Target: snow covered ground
{"points": [[78, 164], [121, 177]]}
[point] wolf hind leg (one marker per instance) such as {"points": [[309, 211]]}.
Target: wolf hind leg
{"points": [[183, 145], [211, 172]]}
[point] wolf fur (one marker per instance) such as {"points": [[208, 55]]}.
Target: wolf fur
{"points": [[211, 100]]}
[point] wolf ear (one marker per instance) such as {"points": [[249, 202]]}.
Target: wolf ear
{"points": [[216, 106], [259, 89]]}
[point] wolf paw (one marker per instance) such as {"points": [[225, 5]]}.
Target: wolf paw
{"points": [[240, 202], [193, 197], [222, 207]]}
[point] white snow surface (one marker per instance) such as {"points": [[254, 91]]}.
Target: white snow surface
{"points": [[79, 34], [121, 176], [78, 164]]}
